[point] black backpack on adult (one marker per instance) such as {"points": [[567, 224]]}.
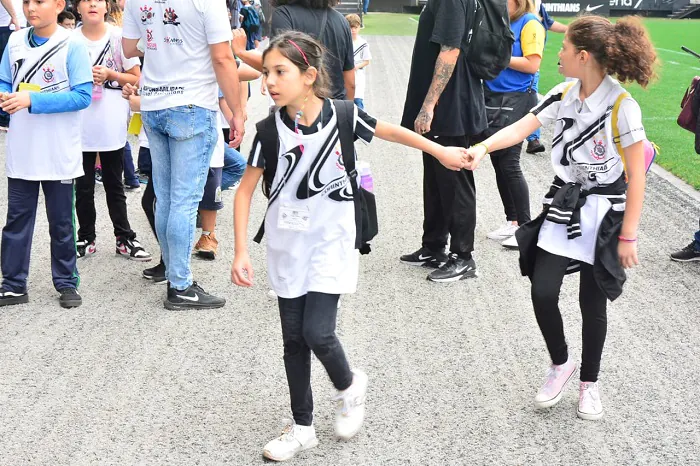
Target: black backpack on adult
{"points": [[366, 223], [491, 43]]}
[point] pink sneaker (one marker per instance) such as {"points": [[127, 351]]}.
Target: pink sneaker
{"points": [[590, 407], [555, 383]]}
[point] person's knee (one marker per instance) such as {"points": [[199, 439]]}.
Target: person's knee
{"points": [[319, 340], [543, 294]]}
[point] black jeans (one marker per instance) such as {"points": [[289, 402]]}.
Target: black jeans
{"points": [[148, 203], [308, 324], [546, 285], [512, 186], [112, 171], [449, 203]]}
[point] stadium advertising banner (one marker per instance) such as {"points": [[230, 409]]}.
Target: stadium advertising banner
{"points": [[642, 5], [573, 8]]}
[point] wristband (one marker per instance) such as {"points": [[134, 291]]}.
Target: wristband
{"points": [[627, 240], [482, 144]]}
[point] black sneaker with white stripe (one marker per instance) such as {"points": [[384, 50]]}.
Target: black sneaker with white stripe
{"points": [[132, 249], [455, 269], [9, 298], [424, 257], [687, 254], [194, 297]]}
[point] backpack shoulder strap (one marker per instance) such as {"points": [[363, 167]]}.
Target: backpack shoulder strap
{"points": [[345, 112], [269, 144], [567, 89], [615, 129]]}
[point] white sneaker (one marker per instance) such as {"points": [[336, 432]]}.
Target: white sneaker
{"points": [[557, 379], [350, 411], [505, 232], [510, 243], [590, 407], [294, 438], [271, 294]]}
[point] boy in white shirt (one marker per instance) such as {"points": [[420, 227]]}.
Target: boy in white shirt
{"points": [[362, 55]]}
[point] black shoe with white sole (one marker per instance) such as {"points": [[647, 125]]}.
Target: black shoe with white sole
{"points": [[687, 254], [132, 249], [69, 298], [194, 297], [9, 298], [424, 257], [454, 270], [156, 274]]}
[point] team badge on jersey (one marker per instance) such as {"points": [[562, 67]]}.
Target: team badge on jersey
{"points": [[598, 151], [146, 15], [48, 74], [339, 163], [170, 17]]}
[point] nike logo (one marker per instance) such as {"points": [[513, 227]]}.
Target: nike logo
{"points": [[464, 269], [194, 298], [421, 257], [593, 8]]}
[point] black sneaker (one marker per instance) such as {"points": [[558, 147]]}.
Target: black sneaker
{"points": [[454, 270], [424, 257], [9, 298], [157, 273], [132, 249], [687, 254], [534, 146], [69, 298], [193, 297], [85, 248]]}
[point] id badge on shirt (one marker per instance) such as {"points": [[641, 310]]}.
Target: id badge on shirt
{"points": [[294, 218], [29, 87]]}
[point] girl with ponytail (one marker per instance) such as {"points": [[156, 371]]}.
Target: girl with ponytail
{"points": [[592, 210]]}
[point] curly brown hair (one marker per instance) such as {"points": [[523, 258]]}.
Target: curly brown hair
{"points": [[623, 49]]}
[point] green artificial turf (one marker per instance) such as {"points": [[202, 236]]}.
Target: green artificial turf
{"points": [[660, 101]]}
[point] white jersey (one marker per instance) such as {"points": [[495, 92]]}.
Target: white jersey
{"points": [[361, 53], [105, 120], [318, 254], [177, 34], [43, 146], [583, 151]]}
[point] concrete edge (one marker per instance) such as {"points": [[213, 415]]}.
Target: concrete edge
{"points": [[681, 185]]}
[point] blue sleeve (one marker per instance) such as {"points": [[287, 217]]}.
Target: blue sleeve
{"points": [[546, 20], [80, 78], [5, 72]]}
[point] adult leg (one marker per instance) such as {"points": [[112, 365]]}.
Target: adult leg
{"points": [[85, 199], [595, 323], [435, 229], [22, 198], [503, 191], [234, 167], [59, 212], [297, 359], [514, 180]]}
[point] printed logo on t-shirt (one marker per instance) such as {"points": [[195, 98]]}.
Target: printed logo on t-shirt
{"points": [[49, 74], [150, 44], [170, 17], [148, 91], [339, 163], [173, 41], [109, 63], [146, 15], [598, 151]]}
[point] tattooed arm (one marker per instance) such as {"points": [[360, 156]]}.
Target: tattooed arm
{"points": [[444, 66]]}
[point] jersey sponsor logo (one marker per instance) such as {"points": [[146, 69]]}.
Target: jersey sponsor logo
{"points": [[146, 15], [148, 91], [173, 41], [170, 17], [150, 43], [562, 7], [48, 73]]}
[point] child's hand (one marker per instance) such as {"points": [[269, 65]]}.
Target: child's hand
{"points": [[100, 74], [17, 101], [628, 254], [453, 158], [475, 155], [242, 270], [128, 90], [239, 41], [4, 96], [135, 103]]}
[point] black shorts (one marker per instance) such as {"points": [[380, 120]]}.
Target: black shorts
{"points": [[211, 200]]}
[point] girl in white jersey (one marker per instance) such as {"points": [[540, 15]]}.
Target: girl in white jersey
{"points": [[592, 210], [104, 131], [311, 258]]}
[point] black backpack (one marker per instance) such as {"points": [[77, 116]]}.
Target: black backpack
{"points": [[491, 42], [366, 223]]}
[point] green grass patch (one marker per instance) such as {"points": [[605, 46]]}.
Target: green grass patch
{"points": [[660, 101]]}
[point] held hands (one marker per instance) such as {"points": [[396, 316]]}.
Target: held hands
{"points": [[128, 90], [13, 103], [242, 270], [453, 158], [100, 74], [475, 155], [627, 252]]}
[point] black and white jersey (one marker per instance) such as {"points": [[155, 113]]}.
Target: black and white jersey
{"points": [[318, 252], [583, 151]]}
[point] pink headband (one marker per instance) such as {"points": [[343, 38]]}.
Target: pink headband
{"points": [[300, 51]]}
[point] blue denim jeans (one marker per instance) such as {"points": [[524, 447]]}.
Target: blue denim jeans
{"points": [[360, 103], [234, 166], [697, 240], [182, 142], [130, 178]]}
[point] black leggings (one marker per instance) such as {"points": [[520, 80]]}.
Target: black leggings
{"points": [[148, 203], [546, 285], [512, 186], [308, 324]]}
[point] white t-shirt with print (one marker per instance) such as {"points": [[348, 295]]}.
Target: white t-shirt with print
{"points": [[322, 258], [361, 51], [177, 34], [105, 120], [583, 151]]}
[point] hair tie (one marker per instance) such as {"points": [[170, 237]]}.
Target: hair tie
{"points": [[300, 51]]}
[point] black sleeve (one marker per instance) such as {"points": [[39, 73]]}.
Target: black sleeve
{"points": [[449, 26], [365, 125], [281, 21], [349, 58], [256, 158]]}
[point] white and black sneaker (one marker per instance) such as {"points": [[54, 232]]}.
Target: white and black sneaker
{"points": [[424, 257], [132, 249], [454, 270], [85, 248], [194, 297], [9, 298]]}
